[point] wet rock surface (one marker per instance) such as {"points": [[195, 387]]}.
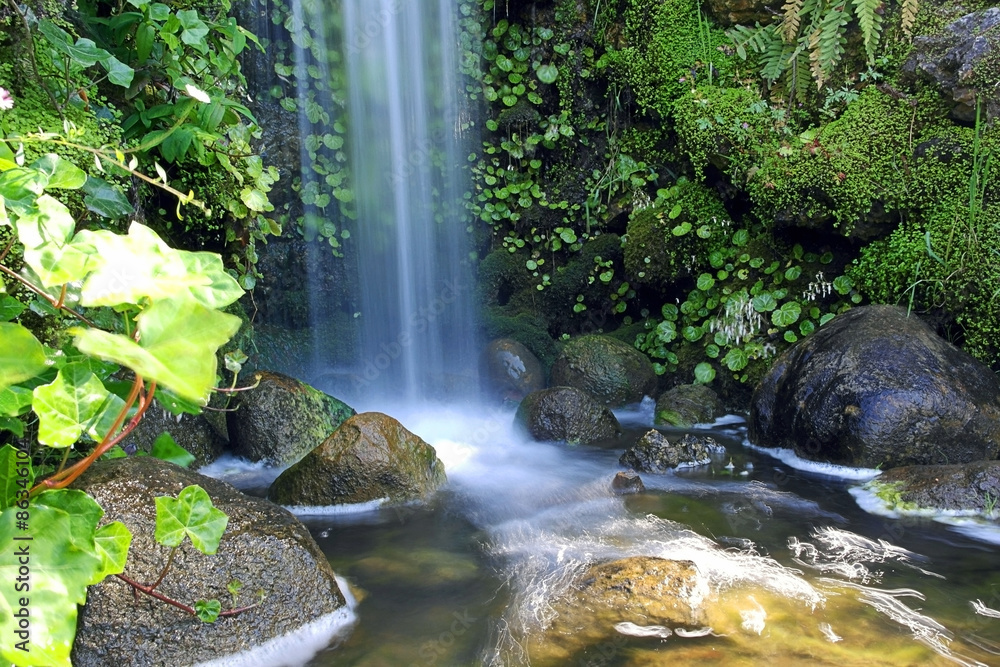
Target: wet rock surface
{"points": [[282, 420], [654, 452], [627, 482], [509, 370], [566, 414], [688, 404], [264, 547], [877, 388], [611, 371], [192, 432], [970, 486], [371, 456]]}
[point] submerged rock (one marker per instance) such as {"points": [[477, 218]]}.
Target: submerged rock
{"points": [[370, 457], [967, 487], [877, 388], [655, 453], [613, 372], [627, 482], [282, 420], [264, 547], [686, 405], [509, 370], [566, 414]]}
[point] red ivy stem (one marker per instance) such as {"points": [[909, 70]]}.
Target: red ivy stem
{"points": [[148, 590]]}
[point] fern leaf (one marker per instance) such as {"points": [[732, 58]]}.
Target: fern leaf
{"points": [[870, 21], [826, 44], [910, 8], [792, 17], [773, 60], [797, 76]]}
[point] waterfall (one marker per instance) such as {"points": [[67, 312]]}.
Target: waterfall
{"points": [[404, 104]]}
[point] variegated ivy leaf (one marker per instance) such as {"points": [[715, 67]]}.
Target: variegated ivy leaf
{"points": [[76, 402]]}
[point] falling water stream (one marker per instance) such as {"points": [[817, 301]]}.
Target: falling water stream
{"points": [[789, 569]]}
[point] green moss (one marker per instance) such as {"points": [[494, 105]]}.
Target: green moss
{"points": [[891, 493], [672, 239], [527, 329]]}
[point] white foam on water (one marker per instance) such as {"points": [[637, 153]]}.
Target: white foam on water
{"points": [[828, 632], [633, 630], [336, 510], [848, 554], [298, 647], [980, 608], [242, 473], [692, 634], [754, 619], [793, 460]]}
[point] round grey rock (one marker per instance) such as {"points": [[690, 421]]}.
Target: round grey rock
{"points": [[613, 372], [566, 414]]}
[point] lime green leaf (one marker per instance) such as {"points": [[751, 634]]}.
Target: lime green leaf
{"points": [[119, 73], [21, 355], [736, 359], [704, 373], [741, 238], [50, 222], [793, 272], [255, 200], [790, 336], [692, 334], [64, 562], [105, 199], [787, 315], [547, 73], [166, 449], [74, 403], [842, 284], [16, 476], [764, 303], [12, 424], [7, 158], [705, 282], [177, 349], [10, 308], [15, 401], [112, 542], [19, 188], [207, 610], [61, 173], [807, 327], [190, 514]]}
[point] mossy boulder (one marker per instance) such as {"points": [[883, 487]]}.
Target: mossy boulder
{"points": [[686, 405], [874, 387], [526, 328], [611, 371], [566, 414], [966, 487], [663, 240], [371, 456], [509, 371], [282, 419], [264, 547]]}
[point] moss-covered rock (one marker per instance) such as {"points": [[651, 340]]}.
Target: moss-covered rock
{"points": [[566, 414], [611, 371], [508, 370], [526, 328], [654, 452], [371, 456], [669, 241], [192, 432], [686, 405], [282, 419], [972, 488]]}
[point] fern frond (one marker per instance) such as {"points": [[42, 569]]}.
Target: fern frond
{"points": [[774, 60], [870, 21], [791, 18], [826, 43], [798, 76], [756, 39], [910, 8]]}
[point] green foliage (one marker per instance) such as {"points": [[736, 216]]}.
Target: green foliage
{"points": [[809, 42], [192, 515]]}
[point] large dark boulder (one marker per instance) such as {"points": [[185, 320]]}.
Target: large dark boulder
{"points": [[264, 547], [509, 371], [566, 414], [962, 59], [613, 372], [282, 420], [686, 405], [877, 388], [370, 457]]}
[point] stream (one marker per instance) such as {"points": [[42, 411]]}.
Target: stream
{"points": [[790, 569]]}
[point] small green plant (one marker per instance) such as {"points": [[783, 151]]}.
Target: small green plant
{"points": [[990, 503], [891, 494]]}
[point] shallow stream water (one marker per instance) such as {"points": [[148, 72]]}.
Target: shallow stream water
{"points": [[791, 571]]}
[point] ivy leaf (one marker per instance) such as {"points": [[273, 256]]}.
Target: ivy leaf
{"points": [[787, 315], [105, 199], [74, 403], [166, 448], [178, 341], [21, 355], [12, 424], [111, 543], [15, 401], [64, 561], [10, 308], [10, 480], [190, 514], [207, 610], [61, 173]]}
